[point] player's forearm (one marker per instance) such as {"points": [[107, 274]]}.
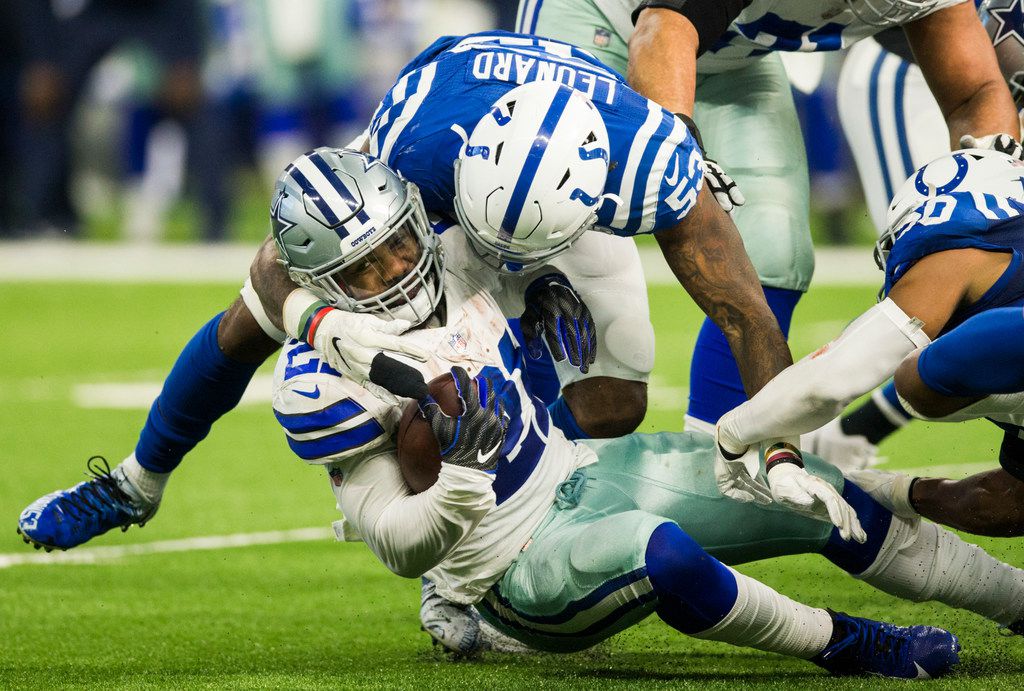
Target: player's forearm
{"points": [[817, 388], [987, 503], [989, 110], [271, 282], [663, 59], [706, 254], [415, 533]]}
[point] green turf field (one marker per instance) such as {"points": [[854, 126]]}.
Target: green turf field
{"points": [[318, 614]]}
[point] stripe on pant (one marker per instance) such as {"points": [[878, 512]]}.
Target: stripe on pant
{"points": [[876, 124], [585, 617]]}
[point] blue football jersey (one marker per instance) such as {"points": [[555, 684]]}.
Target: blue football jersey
{"points": [[418, 129], [981, 206]]}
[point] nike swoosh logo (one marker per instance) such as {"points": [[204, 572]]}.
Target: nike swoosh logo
{"points": [[921, 673], [315, 393], [673, 178], [482, 456]]}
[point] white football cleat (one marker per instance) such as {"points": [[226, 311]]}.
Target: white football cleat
{"points": [[845, 451], [888, 488], [459, 628]]}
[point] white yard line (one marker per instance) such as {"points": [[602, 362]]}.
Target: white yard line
{"points": [[950, 470], [140, 395], [93, 555], [61, 260]]}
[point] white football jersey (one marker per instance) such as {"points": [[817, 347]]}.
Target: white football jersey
{"points": [[466, 529], [766, 26]]}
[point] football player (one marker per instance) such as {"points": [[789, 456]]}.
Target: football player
{"points": [[894, 127], [535, 145], [561, 544], [717, 61], [952, 257]]}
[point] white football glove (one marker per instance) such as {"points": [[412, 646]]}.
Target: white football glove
{"points": [[349, 341], [1003, 143], [891, 490], [727, 194], [808, 495], [737, 478]]}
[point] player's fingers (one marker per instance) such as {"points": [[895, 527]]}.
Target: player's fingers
{"points": [[467, 392], [737, 197], [569, 334], [760, 492]]}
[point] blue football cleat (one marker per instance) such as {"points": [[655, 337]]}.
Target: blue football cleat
{"points": [[67, 518], [863, 646]]}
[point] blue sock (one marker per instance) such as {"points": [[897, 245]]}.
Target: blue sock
{"points": [[852, 556], [203, 385], [564, 420], [715, 384], [889, 394], [982, 356], [695, 591]]}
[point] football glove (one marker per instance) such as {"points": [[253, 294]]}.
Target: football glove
{"points": [[737, 474], [473, 439], [555, 311], [727, 194], [349, 341], [796, 489], [891, 490], [1003, 143]]}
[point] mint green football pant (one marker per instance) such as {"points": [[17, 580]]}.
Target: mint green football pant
{"points": [[582, 577], [748, 124]]}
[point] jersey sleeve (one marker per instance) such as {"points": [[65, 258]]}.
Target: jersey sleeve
{"points": [[658, 172], [411, 533], [326, 417]]}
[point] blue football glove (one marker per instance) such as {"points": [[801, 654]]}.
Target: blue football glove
{"points": [[475, 438], [555, 312]]}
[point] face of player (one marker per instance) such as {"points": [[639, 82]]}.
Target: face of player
{"points": [[386, 266]]}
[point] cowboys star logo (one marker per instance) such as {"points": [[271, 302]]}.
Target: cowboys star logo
{"points": [[1009, 20]]}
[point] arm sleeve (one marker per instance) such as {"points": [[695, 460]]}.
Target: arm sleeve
{"points": [[709, 17], [814, 390], [413, 533]]}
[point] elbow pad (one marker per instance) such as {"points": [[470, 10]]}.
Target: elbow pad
{"points": [[709, 17]]}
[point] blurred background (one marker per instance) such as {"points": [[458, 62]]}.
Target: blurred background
{"points": [[149, 121]]}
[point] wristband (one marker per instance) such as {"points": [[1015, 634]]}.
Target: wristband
{"points": [[782, 452], [692, 127], [302, 314]]}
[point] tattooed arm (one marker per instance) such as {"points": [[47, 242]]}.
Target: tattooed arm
{"points": [[706, 254]]}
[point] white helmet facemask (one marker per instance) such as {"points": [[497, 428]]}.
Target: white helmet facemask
{"points": [[530, 178], [890, 13]]}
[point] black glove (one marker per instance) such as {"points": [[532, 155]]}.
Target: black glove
{"points": [[555, 310], [475, 438], [721, 184], [1003, 143]]}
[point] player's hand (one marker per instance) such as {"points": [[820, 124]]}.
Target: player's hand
{"points": [[737, 474], [891, 490], [349, 341], [1002, 143], [473, 439], [726, 192], [796, 489], [555, 312]]}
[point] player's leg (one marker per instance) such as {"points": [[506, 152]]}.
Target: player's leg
{"points": [[749, 125], [207, 380], [669, 474], [587, 575]]}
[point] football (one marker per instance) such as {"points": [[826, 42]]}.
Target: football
{"points": [[419, 456]]}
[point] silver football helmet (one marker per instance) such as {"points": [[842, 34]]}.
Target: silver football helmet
{"points": [[353, 232], [888, 13], [1004, 21]]}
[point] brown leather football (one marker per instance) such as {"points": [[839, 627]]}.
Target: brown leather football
{"points": [[419, 456]]}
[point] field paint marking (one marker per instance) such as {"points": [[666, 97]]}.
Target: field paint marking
{"points": [[62, 260], [140, 395], [94, 555]]}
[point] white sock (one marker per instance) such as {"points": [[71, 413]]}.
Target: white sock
{"points": [[767, 620], [922, 561], [148, 484]]}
